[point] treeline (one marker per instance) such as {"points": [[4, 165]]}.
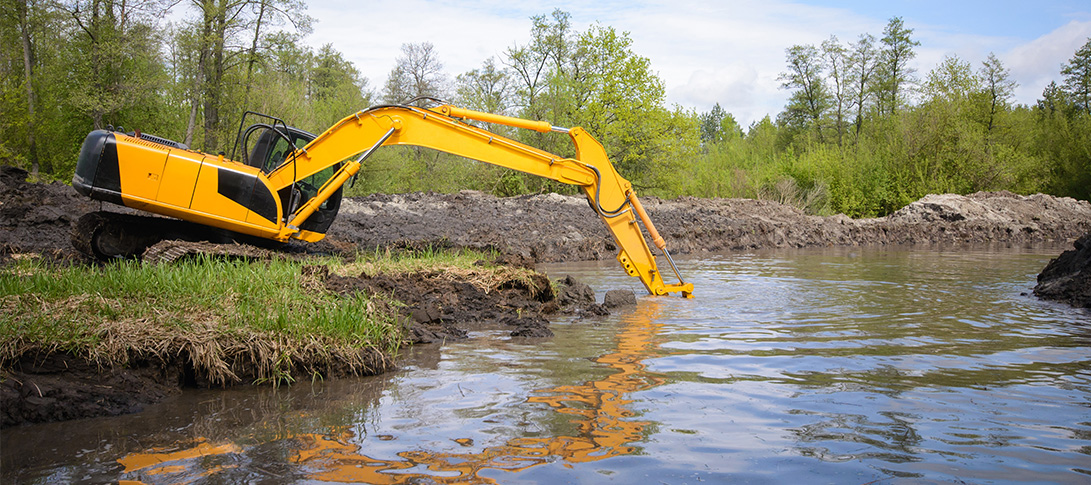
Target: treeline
{"points": [[69, 67], [862, 134]]}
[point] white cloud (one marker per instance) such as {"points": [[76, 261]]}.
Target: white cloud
{"points": [[1034, 64]]}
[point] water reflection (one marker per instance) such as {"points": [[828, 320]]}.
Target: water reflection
{"points": [[599, 410]]}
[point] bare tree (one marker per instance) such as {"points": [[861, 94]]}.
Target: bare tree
{"points": [[860, 79], [417, 72], [998, 87]]}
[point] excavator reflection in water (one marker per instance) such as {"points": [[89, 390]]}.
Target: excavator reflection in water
{"points": [[599, 410]]}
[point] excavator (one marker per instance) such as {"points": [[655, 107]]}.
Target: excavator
{"points": [[288, 183]]}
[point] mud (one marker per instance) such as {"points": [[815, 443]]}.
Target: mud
{"points": [[36, 219], [440, 308], [554, 228], [1067, 278], [56, 386]]}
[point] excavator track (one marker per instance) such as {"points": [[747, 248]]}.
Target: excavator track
{"points": [[110, 235], [171, 250]]}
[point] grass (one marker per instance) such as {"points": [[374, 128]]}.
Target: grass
{"points": [[265, 321]]}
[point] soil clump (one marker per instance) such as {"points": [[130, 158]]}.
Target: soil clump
{"points": [[438, 307], [1067, 278]]}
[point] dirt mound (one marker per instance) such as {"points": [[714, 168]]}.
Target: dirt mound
{"points": [[1067, 278], [37, 218], [551, 227]]}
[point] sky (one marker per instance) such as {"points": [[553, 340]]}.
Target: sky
{"points": [[708, 52]]}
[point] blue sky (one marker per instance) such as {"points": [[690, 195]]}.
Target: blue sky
{"points": [[726, 52]]}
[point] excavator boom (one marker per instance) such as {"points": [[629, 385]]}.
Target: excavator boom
{"points": [[278, 195]]}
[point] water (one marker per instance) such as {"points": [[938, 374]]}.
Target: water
{"points": [[831, 366]]}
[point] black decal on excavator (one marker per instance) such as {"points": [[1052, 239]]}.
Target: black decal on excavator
{"points": [[247, 192], [263, 203]]}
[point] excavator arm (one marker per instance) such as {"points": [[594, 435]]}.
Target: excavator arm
{"points": [[610, 195]]}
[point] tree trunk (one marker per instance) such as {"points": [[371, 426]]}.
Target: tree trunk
{"points": [[211, 68], [254, 49], [28, 77]]}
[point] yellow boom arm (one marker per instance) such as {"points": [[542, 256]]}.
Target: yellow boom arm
{"points": [[611, 196]]}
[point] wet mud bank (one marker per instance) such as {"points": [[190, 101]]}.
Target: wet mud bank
{"points": [[1067, 278], [40, 384]]}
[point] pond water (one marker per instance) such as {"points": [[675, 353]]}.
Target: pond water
{"points": [[836, 366]]}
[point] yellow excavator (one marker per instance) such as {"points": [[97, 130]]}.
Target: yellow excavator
{"points": [[288, 183]]}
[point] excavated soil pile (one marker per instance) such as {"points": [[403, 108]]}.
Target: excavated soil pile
{"points": [[551, 227], [439, 307], [37, 218], [1067, 279]]}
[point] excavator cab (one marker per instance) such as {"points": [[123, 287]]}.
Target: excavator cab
{"points": [[268, 145]]}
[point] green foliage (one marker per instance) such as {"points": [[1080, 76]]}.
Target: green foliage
{"points": [[849, 140], [1077, 78]]}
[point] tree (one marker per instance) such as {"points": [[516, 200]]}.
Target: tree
{"points": [[18, 12], [863, 61], [1054, 100], [542, 58], [895, 75], [418, 72], [811, 98], [836, 60], [998, 88], [952, 81], [1077, 78], [336, 88], [115, 61], [273, 12], [486, 89], [710, 124], [718, 126]]}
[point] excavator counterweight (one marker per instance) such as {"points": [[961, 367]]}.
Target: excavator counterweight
{"points": [[288, 183]]}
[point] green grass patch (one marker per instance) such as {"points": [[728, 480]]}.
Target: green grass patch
{"points": [[263, 319]]}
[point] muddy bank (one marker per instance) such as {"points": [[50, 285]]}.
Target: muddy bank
{"points": [[126, 364], [555, 228], [552, 228], [1067, 278]]}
